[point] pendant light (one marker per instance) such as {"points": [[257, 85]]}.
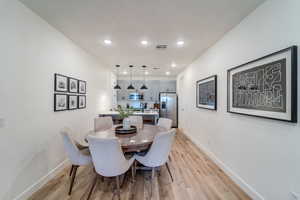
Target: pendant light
{"points": [[130, 87], [117, 87], [144, 87]]}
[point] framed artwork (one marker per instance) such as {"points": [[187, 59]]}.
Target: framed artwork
{"points": [[206, 93], [72, 102], [81, 101], [73, 85], [265, 87], [60, 83], [60, 102], [82, 87]]}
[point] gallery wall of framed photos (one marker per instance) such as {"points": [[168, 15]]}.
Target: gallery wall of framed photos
{"points": [[265, 87], [69, 93]]}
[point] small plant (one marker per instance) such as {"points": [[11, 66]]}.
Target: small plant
{"points": [[124, 113]]}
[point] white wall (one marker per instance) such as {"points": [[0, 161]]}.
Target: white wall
{"points": [[263, 153], [31, 52]]}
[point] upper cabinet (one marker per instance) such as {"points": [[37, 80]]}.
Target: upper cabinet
{"points": [[168, 86], [151, 94]]}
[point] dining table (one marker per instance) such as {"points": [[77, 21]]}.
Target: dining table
{"points": [[140, 141]]}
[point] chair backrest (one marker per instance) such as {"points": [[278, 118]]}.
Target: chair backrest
{"points": [[107, 156], [136, 121], [165, 123], [70, 146], [160, 149], [103, 123]]}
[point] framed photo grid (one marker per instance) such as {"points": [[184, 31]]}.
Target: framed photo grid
{"points": [[265, 87], [68, 93]]}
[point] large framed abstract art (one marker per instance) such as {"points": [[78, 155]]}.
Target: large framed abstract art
{"points": [[265, 87], [206, 93]]}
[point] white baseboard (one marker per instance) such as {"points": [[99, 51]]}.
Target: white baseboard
{"points": [[42, 181], [237, 179]]}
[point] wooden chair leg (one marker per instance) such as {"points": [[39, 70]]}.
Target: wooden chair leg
{"points": [[133, 173], [152, 181], [93, 186], [73, 178], [118, 187], [71, 170], [167, 165]]}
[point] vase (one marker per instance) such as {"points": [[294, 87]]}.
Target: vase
{"points": [[126, 123]]}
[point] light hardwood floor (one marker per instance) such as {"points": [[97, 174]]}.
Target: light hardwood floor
{"points": [[196, 177]]}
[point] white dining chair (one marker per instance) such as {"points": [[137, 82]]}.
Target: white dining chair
{"points": [[103, 123], [108, 159], [136, 121], [76, 156], [165, 123], [158, 153]]}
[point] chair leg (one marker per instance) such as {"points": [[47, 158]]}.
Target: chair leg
{"points": [[133, 172], [170, 158], [152, 181], [71, 170], [118, 187], [167, 165], [73, 178], [93, 186]]}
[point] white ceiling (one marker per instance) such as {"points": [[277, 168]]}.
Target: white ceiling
{"points": [[199, 23]]}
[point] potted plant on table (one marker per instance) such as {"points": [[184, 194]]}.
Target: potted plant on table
{"points": [[124, 114]]}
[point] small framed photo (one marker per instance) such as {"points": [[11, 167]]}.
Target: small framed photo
{"points": [[206, 93], [73, 85], [82, 87], [72, 102], [60, 83], [60, 102], [81, 101]]}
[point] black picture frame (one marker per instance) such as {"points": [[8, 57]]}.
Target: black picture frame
{"points": [[56, 99], [202, 81], [80, 97], [71, 98], [60, 82], [81, 87], [73, 82], [291, 85]]}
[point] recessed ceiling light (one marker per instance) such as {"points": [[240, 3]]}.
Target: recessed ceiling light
{"points": [[144, 42], [180, 43], [173, 65], [107, 41], [167, 73], [146, 72], [125, 72]]}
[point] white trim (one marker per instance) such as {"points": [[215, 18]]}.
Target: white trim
{"points": [[42, 181], [236, 178]]}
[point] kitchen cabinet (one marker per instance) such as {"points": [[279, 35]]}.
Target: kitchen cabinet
{"points": [[151, 94]]}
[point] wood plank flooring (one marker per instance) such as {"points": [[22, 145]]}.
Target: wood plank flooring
{"points": [[196, 177]]}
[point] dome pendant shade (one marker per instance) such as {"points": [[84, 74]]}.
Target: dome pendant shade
{"points": [[117, 87], [144, 87], [130, 87]]}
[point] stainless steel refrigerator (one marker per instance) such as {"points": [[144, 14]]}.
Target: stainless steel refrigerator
{"points": [[168, 106]]}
